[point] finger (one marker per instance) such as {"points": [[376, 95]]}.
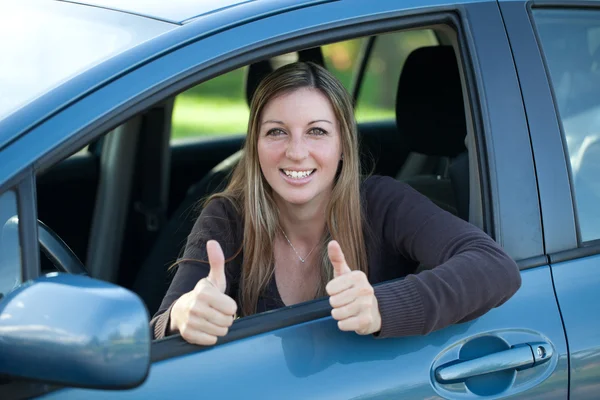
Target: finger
{"points": [[202, 325], [346, 311], [217, 265], [223, 304], [196, 337], [213, 316], [344, 297], [358, 323], [338, 285], [337, 259]]}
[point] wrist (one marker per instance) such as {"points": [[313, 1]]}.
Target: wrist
{"points": [[172, 323], [376, 317]]}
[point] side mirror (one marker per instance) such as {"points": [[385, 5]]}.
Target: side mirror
{"points": [[76, 331]]}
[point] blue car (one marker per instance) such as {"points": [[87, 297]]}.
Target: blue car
{"points": [[489, 108]]}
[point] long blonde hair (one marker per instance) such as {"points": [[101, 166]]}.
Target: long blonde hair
{"points": [[252, 196]]}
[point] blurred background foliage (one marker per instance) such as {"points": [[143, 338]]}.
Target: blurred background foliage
{"points": [[218, 106]]}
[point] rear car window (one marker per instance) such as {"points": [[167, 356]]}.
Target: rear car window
{"points": [[570, 41], [377, 96]]}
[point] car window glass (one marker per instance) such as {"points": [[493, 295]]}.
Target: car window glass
{"points": [[213, 108], [570, 40], [77, 37], [10, 249], [377, 96]]}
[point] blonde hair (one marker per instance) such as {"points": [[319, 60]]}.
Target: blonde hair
{"points": [[252, 196]]}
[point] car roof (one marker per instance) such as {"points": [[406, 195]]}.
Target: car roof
{"points": [[175, 11]]}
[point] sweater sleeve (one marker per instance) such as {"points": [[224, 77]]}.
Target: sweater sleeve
{"points": [[219, 222], [466, 274]]}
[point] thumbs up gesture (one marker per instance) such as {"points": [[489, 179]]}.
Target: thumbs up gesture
{"points": [[206, 312], [351, 296]]}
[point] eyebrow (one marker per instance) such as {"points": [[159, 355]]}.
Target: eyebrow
{"points": [[273, 121]]}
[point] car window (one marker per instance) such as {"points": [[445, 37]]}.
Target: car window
{"points": [[213, 108], [570, 40], [10, 249], [377, 96]]}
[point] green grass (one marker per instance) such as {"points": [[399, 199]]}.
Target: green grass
{"points": [[202, 116], [214, 116]]}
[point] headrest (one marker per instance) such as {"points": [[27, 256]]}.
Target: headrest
{"points": [[430, 111], [257, 71]]}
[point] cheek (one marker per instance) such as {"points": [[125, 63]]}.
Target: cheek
{"points": [[328, 156], [268, 154]]}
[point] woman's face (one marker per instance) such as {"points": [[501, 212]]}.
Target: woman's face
{"points": [[299, 146]]}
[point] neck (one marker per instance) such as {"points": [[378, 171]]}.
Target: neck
{"points": [[303, 225]]}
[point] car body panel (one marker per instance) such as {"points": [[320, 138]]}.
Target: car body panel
{"points": [[575, 268], [577, 283], [553, 176], [316, 360]]}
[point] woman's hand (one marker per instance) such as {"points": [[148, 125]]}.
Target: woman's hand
{"points": [[351, 296], [206, 312]]}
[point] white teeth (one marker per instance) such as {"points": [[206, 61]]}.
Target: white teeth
{"points": [[297, 174]]}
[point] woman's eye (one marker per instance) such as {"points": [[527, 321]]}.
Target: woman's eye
{"points": [[317, 132], [275, 132]]}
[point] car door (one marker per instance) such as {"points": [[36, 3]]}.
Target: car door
{"points": [[558, 57], [298, 352]]}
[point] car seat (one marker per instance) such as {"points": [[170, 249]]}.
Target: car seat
{"points": [[430, 117]]}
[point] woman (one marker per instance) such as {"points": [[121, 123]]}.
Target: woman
{"points": [[296, 223]]}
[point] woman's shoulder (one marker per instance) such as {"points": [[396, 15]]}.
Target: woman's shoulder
{"points": [[379, 186], [220, 217], [220, 207]]}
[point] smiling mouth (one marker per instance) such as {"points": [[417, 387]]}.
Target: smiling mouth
{"points": [[298, 174]]}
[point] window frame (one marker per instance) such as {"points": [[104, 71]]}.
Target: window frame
{"points": [[174, 346], [23, 185]]}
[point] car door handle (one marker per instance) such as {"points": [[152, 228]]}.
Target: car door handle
{"points": [[518, 357]]}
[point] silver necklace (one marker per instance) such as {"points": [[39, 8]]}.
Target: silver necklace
{"points": [[303, 260]]}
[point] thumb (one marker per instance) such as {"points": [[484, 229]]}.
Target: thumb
{"points": [[337, 259], [216, 259]]}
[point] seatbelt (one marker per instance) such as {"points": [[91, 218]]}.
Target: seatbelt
{"points": [[153, 173]]}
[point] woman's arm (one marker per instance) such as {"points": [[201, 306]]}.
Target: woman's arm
{"points": [[218, 222], [470, 273]]}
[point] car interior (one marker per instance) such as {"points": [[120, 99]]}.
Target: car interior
{"points": [[126, 203]]}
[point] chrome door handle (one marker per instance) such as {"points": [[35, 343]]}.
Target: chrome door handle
{"points": [[518, 357]]}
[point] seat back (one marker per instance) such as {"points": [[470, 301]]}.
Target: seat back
{"points": [[431, 119]]}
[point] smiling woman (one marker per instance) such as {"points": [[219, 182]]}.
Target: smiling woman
{"points": [[297, 221]]}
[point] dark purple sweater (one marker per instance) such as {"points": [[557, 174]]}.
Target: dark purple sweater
{"points": [[465, 272]]}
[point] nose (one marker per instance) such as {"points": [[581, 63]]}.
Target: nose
{"points": [[296, 148]]}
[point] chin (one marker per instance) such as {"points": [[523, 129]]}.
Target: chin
{"points": [[297, 199]]}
